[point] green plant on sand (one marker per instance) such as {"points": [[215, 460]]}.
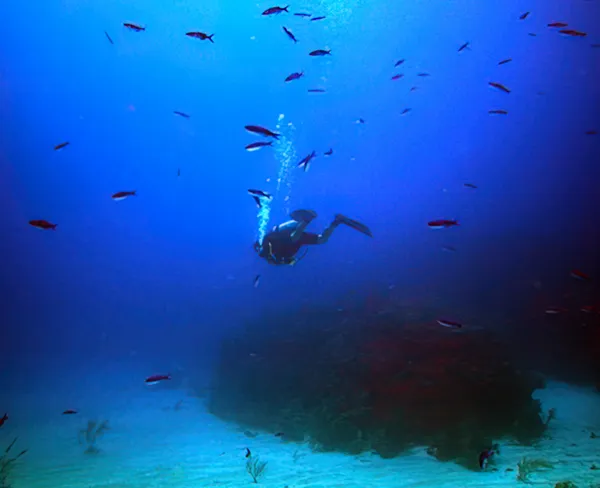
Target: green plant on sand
{"points": [[528, 466], [7, 464], [91, 434], [565, 484], [255, 468]]}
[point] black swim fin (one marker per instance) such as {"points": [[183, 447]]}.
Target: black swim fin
{"points": [[355, 224]]}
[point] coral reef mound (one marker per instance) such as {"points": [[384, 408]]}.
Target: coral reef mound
{"points": [[383, 383]]}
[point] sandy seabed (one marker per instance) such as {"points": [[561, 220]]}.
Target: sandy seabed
{"points": [[166, 438]]}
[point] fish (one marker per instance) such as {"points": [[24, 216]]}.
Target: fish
{"points": [[572, 33], [580, 275], [181, 114], [305, 163], [108, 37], [316, 90], [276, 10], [398, 63], [279, 434], [423, 75], [157, 378], [200, 35], [524, 16], [3, 419], [414, 88], [497, 112], [43, 224], [69, 412], [248, 453], [499, 86], [557, 24], [470, 185], [255, 146], [397, 77], [294, 76], [320, 52], [257, 129], [360, 121], [290, 34], [589, 309], [260, 194], [591, 132], [178, 172], [134, 27], [450, 324], [122, 195], [594, 45], [58, 147], [442, 223], [328, 153], [486, 455], [405, 111], [301, 14], [320, 17], [256, 281], [504, 61], [532, 34], [464, 46], [555, 310], [449, 248]]}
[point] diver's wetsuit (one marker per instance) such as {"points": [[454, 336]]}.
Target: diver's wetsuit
{"points": [[281, 245]]}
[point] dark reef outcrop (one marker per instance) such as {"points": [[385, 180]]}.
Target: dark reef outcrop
{"points": [[351, 382]]}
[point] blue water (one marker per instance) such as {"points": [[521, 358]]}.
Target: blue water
{"points": [[153, 283]]}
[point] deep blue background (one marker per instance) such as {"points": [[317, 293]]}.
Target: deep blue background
{"points": [[165, 274]]}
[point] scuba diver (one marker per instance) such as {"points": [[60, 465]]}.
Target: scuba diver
{"points": [[281, 245]]}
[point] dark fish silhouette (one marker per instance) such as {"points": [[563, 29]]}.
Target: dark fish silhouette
{"points": [[257, 129], [260, 194], [305, 163], [44, 225], [122, 195], [464, 46], [200, 35], [499, 86], [255, 146], [61, 145], [290, 34], [294, 76], [134, 27], [276, 10], [450, 324], [320, 52]]}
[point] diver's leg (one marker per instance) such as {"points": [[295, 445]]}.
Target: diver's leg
{"points": [[326, 234], [302, 218]]}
